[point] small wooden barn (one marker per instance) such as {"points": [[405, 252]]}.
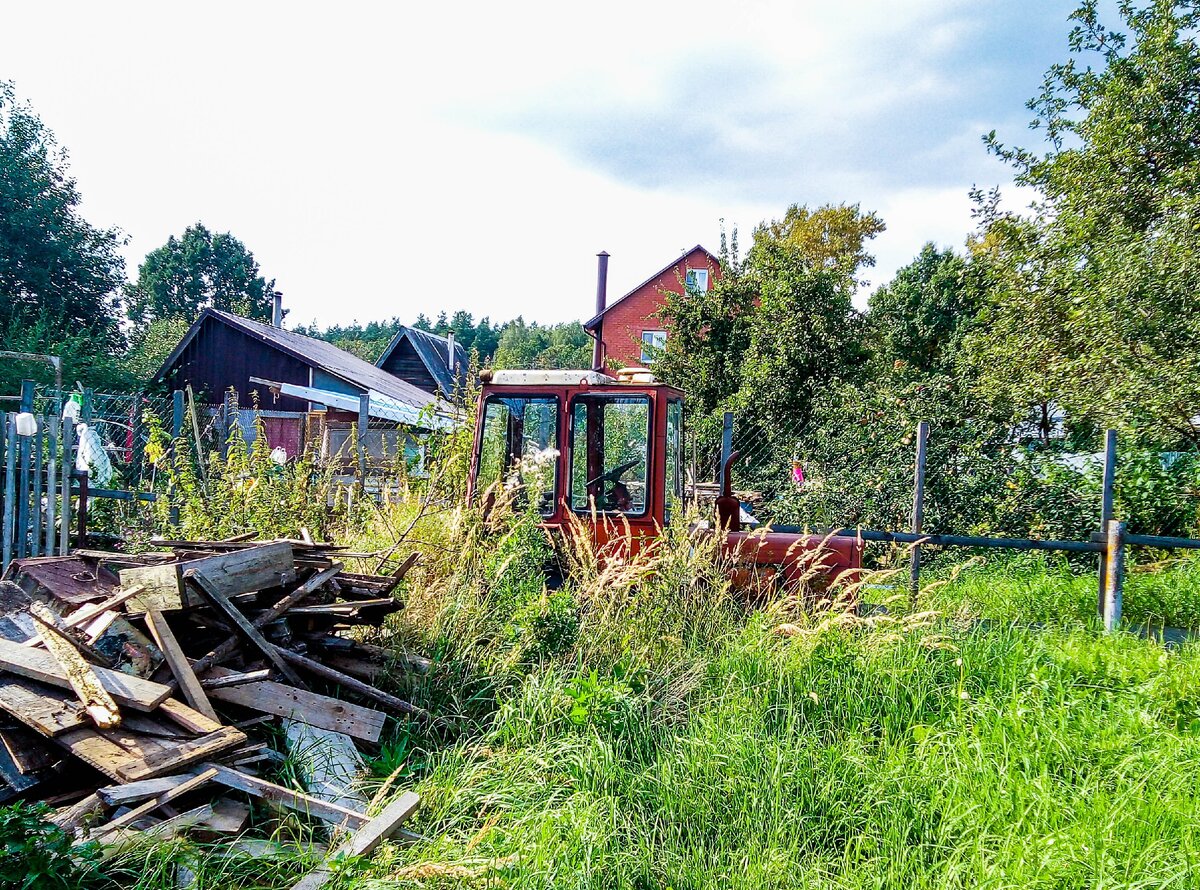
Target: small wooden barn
{"points": [[435, 364]]}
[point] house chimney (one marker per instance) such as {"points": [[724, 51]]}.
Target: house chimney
{"points": [[601, 305], [450, 352], [277, 309]]}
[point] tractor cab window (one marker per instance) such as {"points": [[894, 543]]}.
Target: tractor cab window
{"points": [[674, 463], [610, 447], [519, 447]]}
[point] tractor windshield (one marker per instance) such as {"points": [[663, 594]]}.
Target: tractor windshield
{"points": [[519, 447], [610, 439]]}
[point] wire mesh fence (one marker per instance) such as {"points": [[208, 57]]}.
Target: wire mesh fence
{"points": [[114, 431]]}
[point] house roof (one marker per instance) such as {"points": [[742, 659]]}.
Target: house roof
{"points": [[432, 350], [316, 353], [590, 324]]}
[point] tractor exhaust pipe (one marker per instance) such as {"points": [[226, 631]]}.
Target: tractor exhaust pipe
{"points": [[601, 305], [729, 508]]}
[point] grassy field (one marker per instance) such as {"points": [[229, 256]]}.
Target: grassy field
{"points": [[645, 728]]}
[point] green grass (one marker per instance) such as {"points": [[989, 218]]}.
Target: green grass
{"points": [[907, 752], [645, 728], [1039, 588]]}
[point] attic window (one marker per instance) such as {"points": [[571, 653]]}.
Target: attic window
{"points": [[696, 280]]}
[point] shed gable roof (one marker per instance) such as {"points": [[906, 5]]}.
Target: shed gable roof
{"points": [[433, 351], [316, 353]]}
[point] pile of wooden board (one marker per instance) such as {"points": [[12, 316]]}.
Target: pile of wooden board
{"points": [[132, 687]]}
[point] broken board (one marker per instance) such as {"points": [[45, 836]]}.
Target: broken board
{"points": [[240, 571]]}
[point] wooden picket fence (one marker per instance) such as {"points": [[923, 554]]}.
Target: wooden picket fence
{"points": [[36, 460]]}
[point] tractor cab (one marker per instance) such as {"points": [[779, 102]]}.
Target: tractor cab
{"points": [[583, 443], [609, 451]]}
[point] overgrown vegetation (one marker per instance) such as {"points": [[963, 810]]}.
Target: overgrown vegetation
{"points": [[644, 725], [1050, 326]]}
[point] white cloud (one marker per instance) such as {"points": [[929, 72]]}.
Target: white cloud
{"points": [[358, 149]]}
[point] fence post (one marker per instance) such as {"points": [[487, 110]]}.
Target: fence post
{"points": [[176, 434], [1115, 576], [364, 417], [24, 450], [136, 450], [37, 514], [918, 510], [68, 464], [28, 388], [1106, 507], [10, 492], [52, 445], [176, 414], [226, 424], [726, 444]]}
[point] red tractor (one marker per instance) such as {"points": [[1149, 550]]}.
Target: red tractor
{"points": [[609, 452]]}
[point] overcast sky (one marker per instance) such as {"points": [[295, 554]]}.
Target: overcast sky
{"points": [[387, 159]]}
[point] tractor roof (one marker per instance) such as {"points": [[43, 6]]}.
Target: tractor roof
{"points": [[535, 377]]}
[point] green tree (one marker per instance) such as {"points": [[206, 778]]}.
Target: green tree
{"points": [[832, 238], [1098, 306], [804, 335], [199, 270], [530, 345], [59, 275], [921, 317]]}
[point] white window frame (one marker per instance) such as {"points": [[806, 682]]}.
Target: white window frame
{"points": [[661, 337], [701, 278]]}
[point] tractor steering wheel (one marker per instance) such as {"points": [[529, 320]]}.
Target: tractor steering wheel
{"points": [[612, 475]]}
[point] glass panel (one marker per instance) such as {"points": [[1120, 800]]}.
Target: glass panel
{"points": [[519, 445], [653, 343], [674, 465], [610, 446]]}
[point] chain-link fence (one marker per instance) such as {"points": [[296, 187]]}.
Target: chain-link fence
{"points": [[116, 430], [978, 479]]}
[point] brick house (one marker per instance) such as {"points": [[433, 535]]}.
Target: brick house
{"points": [[633, 327]]}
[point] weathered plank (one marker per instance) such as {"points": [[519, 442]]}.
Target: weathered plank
{"points": [[236, 678], [28, 751], [293, 800], [133, 792], [81, 676], [98, 751], [223, 651], [178, 662], [126, 838], [188, 718], [366, 839], [12, 774], [157, 801], [219, 599], [70, 818], [39, 709], [229, 817], [239, 571], [309, 707], [127, 690], [348, 682], [184, 754]]}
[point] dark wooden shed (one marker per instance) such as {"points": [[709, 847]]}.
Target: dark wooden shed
{"points": [[221, 351], [427, 361]]}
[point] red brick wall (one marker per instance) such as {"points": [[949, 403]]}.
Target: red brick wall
{"points": [[630, 316]]}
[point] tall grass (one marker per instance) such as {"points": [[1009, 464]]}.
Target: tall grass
{"points": [[647, 727], [644, 725]]}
